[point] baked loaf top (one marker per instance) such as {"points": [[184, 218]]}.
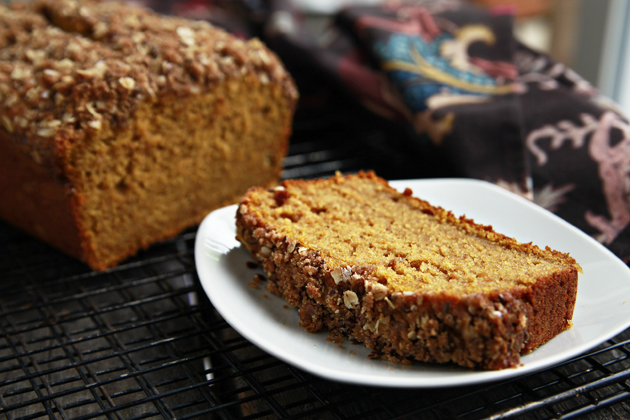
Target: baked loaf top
{"points": [[412, 245], [69, 67]]}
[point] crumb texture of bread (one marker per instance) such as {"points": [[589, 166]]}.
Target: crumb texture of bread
{"points": [[121, 127], [409, 280]]}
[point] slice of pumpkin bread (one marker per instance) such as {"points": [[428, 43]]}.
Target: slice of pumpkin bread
{"points": [[409, 280]]}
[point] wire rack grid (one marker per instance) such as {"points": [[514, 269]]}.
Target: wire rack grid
{"points": [[142, 341]]}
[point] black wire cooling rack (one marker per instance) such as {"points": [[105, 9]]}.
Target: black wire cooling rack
{"points": [[142, 341]]}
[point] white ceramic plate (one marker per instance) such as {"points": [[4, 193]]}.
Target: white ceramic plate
{"points": [[602, 310]]}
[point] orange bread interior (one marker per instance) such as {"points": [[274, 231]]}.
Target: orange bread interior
{"points": [[413, 246]]}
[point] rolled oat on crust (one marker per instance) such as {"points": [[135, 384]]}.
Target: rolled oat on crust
{"points": [[409, 280]]}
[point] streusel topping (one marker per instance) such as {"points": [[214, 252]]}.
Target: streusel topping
{"points": [[68, 67]]}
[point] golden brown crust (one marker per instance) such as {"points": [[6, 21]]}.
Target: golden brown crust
{"points": [[91, 95], [486, 329]]}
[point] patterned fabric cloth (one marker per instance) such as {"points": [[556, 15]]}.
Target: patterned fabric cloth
{"points": [[455, 74]]}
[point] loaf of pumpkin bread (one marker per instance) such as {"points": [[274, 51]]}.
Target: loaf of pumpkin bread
{"points": [[409, 280], [121, 127]]}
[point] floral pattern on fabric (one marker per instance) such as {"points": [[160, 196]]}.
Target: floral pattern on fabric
{"points": [[421, 70]]}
